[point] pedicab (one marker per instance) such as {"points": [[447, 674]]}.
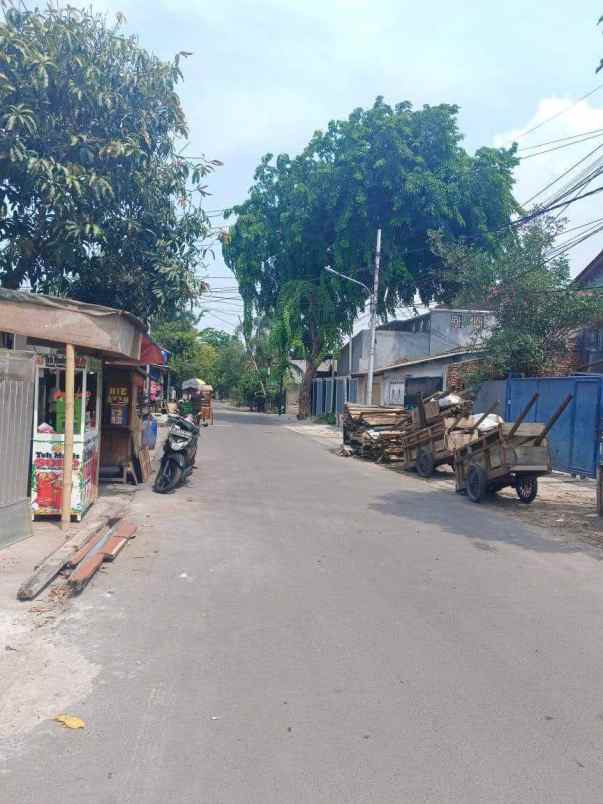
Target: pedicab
{"points": [[201, 394]]}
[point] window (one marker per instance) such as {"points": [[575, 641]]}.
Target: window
{"points": [[396, 392]]}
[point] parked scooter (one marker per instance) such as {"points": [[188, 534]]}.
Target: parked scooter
{"points": [[178, 456]]}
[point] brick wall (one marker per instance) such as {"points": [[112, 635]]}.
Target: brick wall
{"points": [[457, 374]]}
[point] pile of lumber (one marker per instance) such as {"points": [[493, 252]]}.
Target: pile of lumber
{"points": [[375, 432]]}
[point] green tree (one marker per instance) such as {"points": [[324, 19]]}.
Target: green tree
{"points": [[231, 364], [95, 201], [190, 356], [395, 168], [529, 291]]}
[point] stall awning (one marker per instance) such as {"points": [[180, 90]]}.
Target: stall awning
{"points": [[104, 330], [150, 353]]}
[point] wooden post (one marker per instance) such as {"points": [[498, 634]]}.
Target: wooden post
{"points": [[421, 409], [68, 441]]}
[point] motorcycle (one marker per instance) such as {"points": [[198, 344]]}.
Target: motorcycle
{"points": [[179, 451]]}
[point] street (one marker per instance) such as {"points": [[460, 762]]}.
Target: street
{"points": [[293, 627]]}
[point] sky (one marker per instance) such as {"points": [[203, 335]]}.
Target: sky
{"points": [[265, 75]]}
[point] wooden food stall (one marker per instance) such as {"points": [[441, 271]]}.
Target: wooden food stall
{"points": [[122, 455], [69, 339], [48, 446]]}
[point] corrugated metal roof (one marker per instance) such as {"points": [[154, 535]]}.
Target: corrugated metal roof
{"points": [[419, 360]]}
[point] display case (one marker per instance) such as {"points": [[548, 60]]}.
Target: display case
{"points": [[49, 438]]}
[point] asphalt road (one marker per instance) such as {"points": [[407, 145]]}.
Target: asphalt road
{"points": [[298, 628]]}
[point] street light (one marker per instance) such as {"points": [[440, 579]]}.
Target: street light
{"points": [[349, 278], [373, 300]]}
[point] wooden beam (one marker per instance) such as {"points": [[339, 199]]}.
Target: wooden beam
{"points": [[490, 410], [68, 442], [522, 415], [553, 419]]}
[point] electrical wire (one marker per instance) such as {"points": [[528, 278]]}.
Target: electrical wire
{"points": [[560, 113], [562, 176], [560, 147], [584, 134]]}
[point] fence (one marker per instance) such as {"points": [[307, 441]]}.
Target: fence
{"points": [[575, 438], [329, 394], [17, 378]]}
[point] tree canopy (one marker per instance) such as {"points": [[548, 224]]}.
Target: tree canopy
{"points": [[394, 168], [528, 289], [95, 201]]}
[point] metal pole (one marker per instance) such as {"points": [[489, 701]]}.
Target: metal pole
{"points": [[374, 297], [68, 437]]}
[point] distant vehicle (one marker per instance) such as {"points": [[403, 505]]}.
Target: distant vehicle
{"points": [[201, 399]]}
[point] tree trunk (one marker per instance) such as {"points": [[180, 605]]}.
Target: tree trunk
{"points": [[305, 394]]}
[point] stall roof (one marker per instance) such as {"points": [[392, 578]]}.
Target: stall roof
{"points": [[104, 330]]}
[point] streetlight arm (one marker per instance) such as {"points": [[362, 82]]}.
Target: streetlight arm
{"points": [[349, 278]]}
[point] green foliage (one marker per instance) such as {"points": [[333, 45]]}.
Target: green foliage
{"points": [[189, 355], [530, 294], [394, 168], [95, 202]]}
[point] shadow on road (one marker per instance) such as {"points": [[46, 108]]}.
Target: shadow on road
{"points": [[482, 524]]}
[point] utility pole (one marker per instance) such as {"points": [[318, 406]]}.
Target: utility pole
{"points": [[374, 297]]}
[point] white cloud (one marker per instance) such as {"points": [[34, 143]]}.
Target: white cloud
{"points": [[557, 118]]}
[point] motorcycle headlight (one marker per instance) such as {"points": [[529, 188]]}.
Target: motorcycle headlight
{"points": [[177, 444]]}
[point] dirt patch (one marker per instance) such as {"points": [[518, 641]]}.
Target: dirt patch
{"points": [[41, 672]]}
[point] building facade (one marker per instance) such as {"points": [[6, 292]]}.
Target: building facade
{"points": [[412, 355]]}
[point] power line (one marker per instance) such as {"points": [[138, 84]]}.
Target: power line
{"points": [[562, 176], [560, 113], [560, 139], [548, 209], [559, 147]]}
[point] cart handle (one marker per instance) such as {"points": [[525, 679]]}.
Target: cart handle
{"points": [[553, 419], [490, 410], [522, 415]]}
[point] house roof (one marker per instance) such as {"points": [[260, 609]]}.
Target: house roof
{"points": [[419, 360], [593, 267]]}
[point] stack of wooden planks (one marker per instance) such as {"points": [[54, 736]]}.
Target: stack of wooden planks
{"points": [[375, 432]]}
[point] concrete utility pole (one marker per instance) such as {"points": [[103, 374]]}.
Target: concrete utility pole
{"points": [[373, 327]]}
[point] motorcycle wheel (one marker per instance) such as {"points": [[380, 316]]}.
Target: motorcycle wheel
{"points": [[168, 476]]}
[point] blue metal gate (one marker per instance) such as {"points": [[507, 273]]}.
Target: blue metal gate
{"points": [[575, 438]]}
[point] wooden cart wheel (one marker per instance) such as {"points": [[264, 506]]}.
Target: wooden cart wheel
{"points": [[425, 465], [477, 483], [526, 488]]}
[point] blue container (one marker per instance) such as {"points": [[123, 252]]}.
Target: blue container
{"points": [[149, 434]]}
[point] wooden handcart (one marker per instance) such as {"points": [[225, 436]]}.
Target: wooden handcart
{"points": [[425, 442], [511, 455]]}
